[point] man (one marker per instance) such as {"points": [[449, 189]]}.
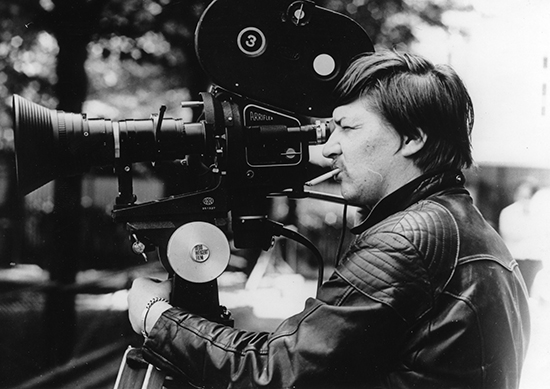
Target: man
{"points": [[427, 296]]}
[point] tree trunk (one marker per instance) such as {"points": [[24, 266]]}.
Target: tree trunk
{"points": [[71, 29]]}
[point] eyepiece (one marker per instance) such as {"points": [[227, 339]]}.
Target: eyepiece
{"points": [[315, 134]]}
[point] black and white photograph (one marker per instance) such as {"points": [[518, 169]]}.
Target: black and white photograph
{"points": [[283, 194]]}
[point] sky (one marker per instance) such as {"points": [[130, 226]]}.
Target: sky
{"points": [[501, 60]]}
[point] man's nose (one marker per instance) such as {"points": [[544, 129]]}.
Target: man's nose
{"points": [[332, 148]]}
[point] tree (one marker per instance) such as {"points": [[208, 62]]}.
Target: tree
{"points": [[391, 23]]}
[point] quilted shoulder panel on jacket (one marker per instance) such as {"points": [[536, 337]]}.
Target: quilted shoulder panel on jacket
{"points": [[406, 260]]}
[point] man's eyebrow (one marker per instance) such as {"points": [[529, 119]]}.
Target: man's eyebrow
{"points": [[348, 121], [339, 120]]}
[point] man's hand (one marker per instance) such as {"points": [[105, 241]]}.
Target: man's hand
{"points": [[144, 290]]}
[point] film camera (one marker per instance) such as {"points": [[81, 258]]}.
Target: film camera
{"points": [[274, 65]]}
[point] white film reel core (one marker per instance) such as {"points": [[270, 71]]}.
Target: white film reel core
{"points": [[324, 65], [198, 252]]}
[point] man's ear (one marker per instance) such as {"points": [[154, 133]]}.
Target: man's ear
{"points": [[412, 145]]}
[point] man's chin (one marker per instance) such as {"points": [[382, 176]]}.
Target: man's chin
{"points": [[349, 197], [355, 199]]}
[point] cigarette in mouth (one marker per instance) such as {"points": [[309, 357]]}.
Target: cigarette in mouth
{"points": [[322, 177]]}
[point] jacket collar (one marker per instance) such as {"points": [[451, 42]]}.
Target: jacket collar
{"points": [[410, 193]]}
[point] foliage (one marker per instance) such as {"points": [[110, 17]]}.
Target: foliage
{"points": [[156, 36], [391, 23]]}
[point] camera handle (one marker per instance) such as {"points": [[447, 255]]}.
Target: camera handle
{"points": [[201, 298], [135, 372]]}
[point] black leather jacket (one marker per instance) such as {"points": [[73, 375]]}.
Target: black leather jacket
{"points": [[427, 296]]}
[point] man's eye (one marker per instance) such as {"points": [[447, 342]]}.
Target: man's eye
{"points": [[351, 128]]}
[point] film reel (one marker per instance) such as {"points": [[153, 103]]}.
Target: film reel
{"points": [[198, 252], [288, 54]]}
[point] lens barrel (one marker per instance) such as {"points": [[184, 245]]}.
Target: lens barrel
{"points": [[53, 143]]}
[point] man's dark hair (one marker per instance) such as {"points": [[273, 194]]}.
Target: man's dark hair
{"points": [[411, 93]]}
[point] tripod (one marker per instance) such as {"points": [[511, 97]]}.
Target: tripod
{"points": [[134, 372]]}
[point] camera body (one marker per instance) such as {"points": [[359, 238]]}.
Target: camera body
{"points": [[274, 65], [247, 152]]}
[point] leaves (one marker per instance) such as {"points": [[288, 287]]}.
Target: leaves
{"points": [[390, 23]]}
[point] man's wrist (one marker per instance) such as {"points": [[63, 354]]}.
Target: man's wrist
{"points": [[152, 312]]}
